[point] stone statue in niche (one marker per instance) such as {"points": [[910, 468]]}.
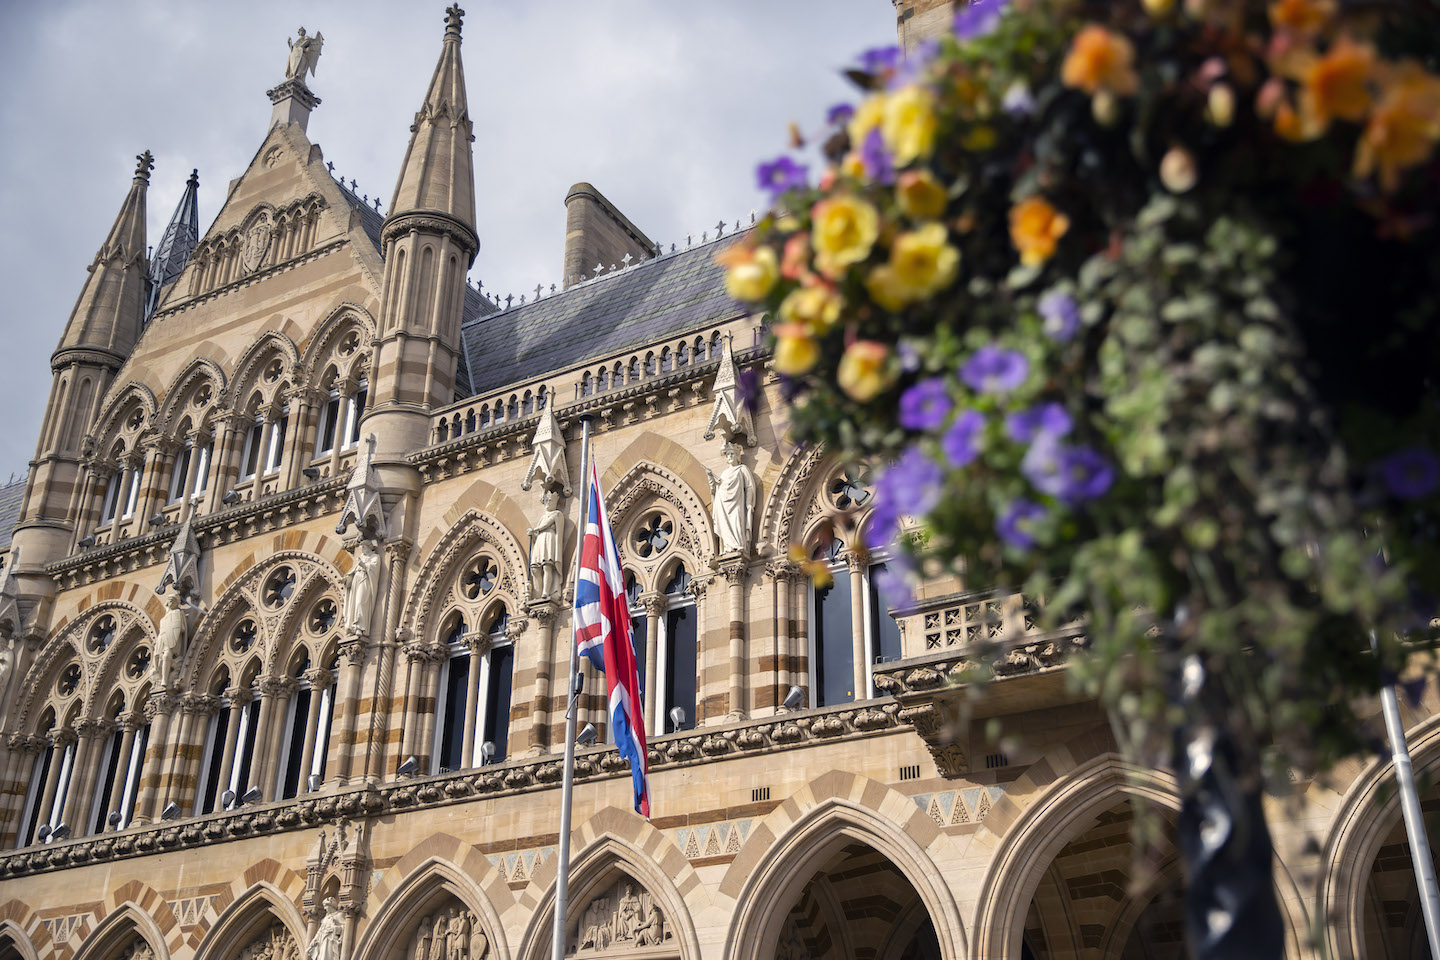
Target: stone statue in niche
{"points": [[7, 663], [360, 589], [449, 934], [625, 916], [304, 55], [546, 546], [733, 502], [170, 645], [326, 943]]}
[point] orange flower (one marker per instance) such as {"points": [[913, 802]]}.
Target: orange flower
{"points": [[1035, 228], [1337, 85], [1403, 128], [795, 263], [1100, 60], [1301, 16], [864, 371]]}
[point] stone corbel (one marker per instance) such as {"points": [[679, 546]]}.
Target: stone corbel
{"points": [[939, 724]]}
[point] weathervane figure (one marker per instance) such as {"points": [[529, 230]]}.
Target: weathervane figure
{"points": [[304, 54]]}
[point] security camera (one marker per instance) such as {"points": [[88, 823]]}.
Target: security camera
{"points": [[43, 833], [312, 783], [677, 717], [227, 800], [171, 811], [487, 751], [231, 498], [588, 735], [60, 832], [87, 541], [311, 473], [252, 795], [408, 768], [158, 520], [113, 819], [794, 698]]}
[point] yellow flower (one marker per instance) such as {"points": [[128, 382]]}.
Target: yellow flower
{"points": [[816, 308], [1178, 171], [752, 271], [1337, 85], [867, 117], [1035, 228], [796, 352], [1404, 127], [909, 124], [920, 195], [923, 261], [843, 230], [1100, 60], [851, 165], [864, 371], [1301, 16], [886, 289]]}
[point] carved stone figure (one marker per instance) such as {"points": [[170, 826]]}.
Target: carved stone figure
{"points": [[546, 545], [437, 938], [7, 663], [479, 943], [360, 589], [457, 936], [628, 917], [733, 495], [652, 930], [170, 648], [304, 55], [422, 940], [622, 917], [325, 945]]}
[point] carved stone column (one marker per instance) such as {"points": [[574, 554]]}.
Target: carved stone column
{"points": [[18, 764], [540, 707], [275, 692], [152, 479], [397, 552], [302, 403], [158, 708], [479, 645], [781, 573], [857, 564], [655, 606], [343, 746], [224, 461], [435, 655], [185, 770], [415, 659], [60, 740], [238, 700], [80, 503], [84, 773], [320, 680], [800, 666], [734, 572]]}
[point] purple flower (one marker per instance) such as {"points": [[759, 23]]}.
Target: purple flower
{"points": [[994, 370], [781, 174], [876, 158], [909, 354], [979, 18], [925, 405], [1048, 418], [894, 578], [909, 485], [839, 114], [880, 59], [749, 389], [960, 441], [1069, 474], [1018, 100], [909, 69], [1011, 526], [1061, 315], [1412, 473]]}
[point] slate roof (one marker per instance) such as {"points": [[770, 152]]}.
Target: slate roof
{"points": [[667, 296], [10, 496], [371, 220]]}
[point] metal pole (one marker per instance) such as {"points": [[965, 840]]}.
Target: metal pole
{"points": [[1410, 809], [567, 784]]}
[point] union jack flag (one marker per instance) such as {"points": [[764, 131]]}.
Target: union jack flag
{"points": [[603, 635]]}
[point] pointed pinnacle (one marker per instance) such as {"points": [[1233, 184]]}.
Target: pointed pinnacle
{"points": [[145, 162], [453, 13]]}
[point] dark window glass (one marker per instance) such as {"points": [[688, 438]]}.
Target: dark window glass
{"points": [[177, 476], [362, 396], [252, 450], [834, 659], [107, 785], [452, 736], [884, 630], [132, 781], [639, 636], [322, 735], [497, 704], [680, 665], [42, 773], [246, 750], [325, 437], [294, 761], [213, 773]]}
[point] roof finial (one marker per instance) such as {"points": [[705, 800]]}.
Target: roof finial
{"points": [[144, 164], [453, 13], [194, 176]]}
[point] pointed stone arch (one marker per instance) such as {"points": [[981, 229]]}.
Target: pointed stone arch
{"points": [[317, 346], [778, 521], [247, 371], [797, 838], [13, 933], [438, 865], [40, 680], [197, 371], [139, 897], [466, 532], [121, 926], [617, 841], [646, 481], [239, 912], [122, 399], [102, 675]]}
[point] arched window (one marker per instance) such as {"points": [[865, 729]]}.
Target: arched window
{"points": [[484, 416], [715, 345], [678, 655], [682, 354], [292, 740], [527, 406], [639, 630], [112, 495], [229, 750], [587, 384], [354, 410], [183, 463], [512, 410], [250, 456], [602, 380], [667, 361], [276, 451], [883, 631], [832, 656], [40, 767], [651, 365], [115, 807], [497, 675], [329, 422], [634, 370], [446, 753]]}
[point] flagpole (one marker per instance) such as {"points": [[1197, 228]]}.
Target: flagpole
{"points": [[567, 784]]}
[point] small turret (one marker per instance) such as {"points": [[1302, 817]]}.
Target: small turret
{"points": [[429, 243]]}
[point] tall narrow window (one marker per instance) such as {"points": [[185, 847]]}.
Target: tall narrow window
{"points": [[499, 671], [131, 788], [62, 791], [30, 815], [884, 631], [322, 726], [134, 494], [832, 657], [245, 745], [678, 654], [250, 459], [105, 783], [354, 411], [329, 417], [202, 469], [212, 777], [112, 495], [292, 746], [276, 450], [180, 472], [639, 630], [450, 704]]}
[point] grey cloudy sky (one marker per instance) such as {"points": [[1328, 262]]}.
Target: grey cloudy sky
{"points": [[665, 106]]}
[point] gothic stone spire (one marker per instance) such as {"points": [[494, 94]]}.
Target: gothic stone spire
{"points": [[177, 243]]}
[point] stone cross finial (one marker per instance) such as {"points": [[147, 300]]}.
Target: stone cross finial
{"points": [[552, 288], [508, 298], [720, 228], [453, 13], [599, 269], [626, 259], [538, 288], [144, 164], [330, 165]]}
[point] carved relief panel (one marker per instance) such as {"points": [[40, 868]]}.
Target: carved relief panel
{"points": [[275, 943], [622, 919], [448, 933]]}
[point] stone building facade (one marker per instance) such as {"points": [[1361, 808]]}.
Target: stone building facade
{"points": [[282, 674]]}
